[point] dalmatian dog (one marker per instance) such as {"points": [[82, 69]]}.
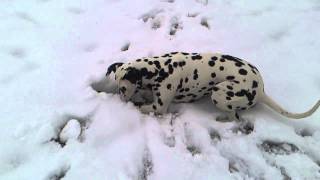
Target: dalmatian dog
{"points": [[233, 84]]}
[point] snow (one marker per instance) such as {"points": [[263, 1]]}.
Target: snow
{"points": [[55, 125]]}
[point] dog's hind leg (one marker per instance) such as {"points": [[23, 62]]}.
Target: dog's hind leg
{"points": [[232, 96]]}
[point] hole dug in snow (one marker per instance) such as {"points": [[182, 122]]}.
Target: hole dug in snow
{"points": [[279, 148], [72, 129], [125, 47]]}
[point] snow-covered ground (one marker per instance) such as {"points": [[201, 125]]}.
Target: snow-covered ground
{"points": [[54, 125]]}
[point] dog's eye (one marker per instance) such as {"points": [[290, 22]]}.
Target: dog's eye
{"points": [[123, 89]]}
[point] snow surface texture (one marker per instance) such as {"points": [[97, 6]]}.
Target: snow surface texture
{"points": [[55, 125]]}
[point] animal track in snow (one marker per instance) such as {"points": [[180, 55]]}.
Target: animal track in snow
{"points": [[214, 135], [75, 10], [59, 174], [147, 165], [90, 47], [151, 14], [176, 25], [193, 15], [244, 127], [125, 47], [204, 22], [26, 17], [279, 148], [18, 53]]}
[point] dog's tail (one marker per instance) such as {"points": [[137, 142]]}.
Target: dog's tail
{"points": [[273, 105]]}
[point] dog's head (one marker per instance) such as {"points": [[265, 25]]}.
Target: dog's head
{"points": [[127, 78]]}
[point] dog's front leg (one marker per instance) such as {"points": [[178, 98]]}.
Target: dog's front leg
{"points": [[162, 97]]}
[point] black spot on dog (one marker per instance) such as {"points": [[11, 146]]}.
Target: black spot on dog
{"points": [[213, 75], [157, 63], [211, 83], [221, 68], [230, 87], [211, 63], [179, 97], [156, 57], [238, 64], [195, 74], [187, 89], [175, 64], [236, 60], [174, 53], [169, 86], [154, 107], [228, 98], [237, 115], [215, 102], [180, 84], [197, 57], [123, 89], [240, 93], [182, 63], [158, 94], [215, 88], [138, 60], [148, 74], [170, 68], [214, 58], [133, 75], [186, 79], [160, 102], [149, 86], [145, 60], [222, 60], [166, 55], [229, 106], [184, 53], [243, 72], [167, 62], [254, 84], [230, 93], [230, 77]]}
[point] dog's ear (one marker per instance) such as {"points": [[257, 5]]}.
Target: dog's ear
{"points": [[133, 75], [113, 67]]}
